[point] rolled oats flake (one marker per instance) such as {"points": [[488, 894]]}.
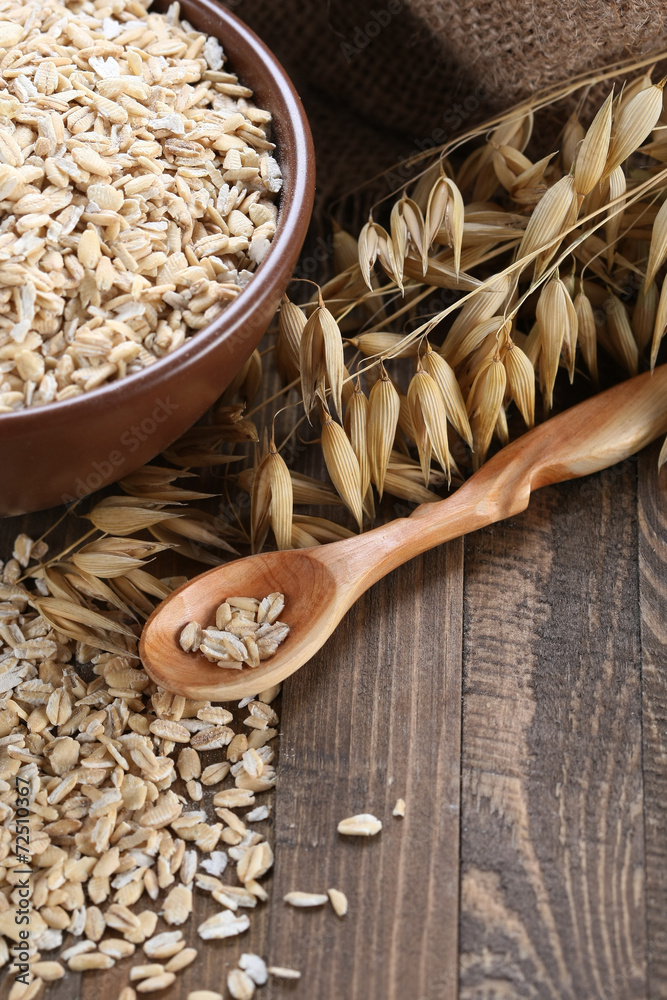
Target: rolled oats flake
{"points": [[138, 193]]}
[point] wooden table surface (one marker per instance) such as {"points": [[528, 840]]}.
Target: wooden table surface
{"points": [[512, 689]]}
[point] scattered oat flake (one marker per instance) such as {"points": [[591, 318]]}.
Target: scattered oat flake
{"points": [[362, 825], [257, 814], [156, 946], [240, 985], [222, 925], [282, 972], [304, 899], [399, 808], [255, 966], [215, 863], [156, 983], [338, 900]]}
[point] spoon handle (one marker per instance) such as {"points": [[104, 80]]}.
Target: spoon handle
{"points": [[591, 436]]}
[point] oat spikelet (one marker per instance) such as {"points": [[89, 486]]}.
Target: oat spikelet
{"points": [[251, 378], [396, 485], [573, 135], [271, 501], [501, 429], [444, 376], [620, 334], [633, 124], [482, 306], [342, 465], [311, 359], [357, 413], [291, 322], [631, 88], [414, 222], [50, 607], [503, 166], [399, 234], [281, 499], [311, 491], [454, 219], [369, 248], [334, 362], [521, 381], [387, 345], [557, 322], [568, 355], [301, 538], [260, 505], [617, 188], [592, 156], [105, 565], [475, 338], [660, 324], [658, 250], [587, 333], [392, 266], [118, 517], [645, 313], [385, 407], [429, 416], [484, 403], [549, 218], [529, 186], [321, 528], [404, 419], [436, 210]]}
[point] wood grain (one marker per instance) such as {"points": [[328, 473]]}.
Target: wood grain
{"points": [[564, 770], [375, 717], [552, 850], [652, 556]]}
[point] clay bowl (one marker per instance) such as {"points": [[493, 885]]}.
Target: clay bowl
{"points": [[58, 452]]}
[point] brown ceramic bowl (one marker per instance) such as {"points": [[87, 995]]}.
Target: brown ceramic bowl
{"points": [[54, 453]]}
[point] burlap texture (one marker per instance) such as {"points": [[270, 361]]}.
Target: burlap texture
{"points": [[382, 80]]}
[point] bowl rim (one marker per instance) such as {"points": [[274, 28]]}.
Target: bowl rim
{"points": [[294, 210]]}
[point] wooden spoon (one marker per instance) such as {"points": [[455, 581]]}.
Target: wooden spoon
{"points": [[320, 584]]}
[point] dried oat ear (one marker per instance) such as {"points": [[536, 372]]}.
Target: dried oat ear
{"points": [[342, 463], [272, 500], [291, 323], [357, 418], [384, 412]]}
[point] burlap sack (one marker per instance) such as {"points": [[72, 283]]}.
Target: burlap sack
{"points": [[382, 80]]}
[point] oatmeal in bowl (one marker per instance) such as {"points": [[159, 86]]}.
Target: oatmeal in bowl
{"points": [[154, 192]]}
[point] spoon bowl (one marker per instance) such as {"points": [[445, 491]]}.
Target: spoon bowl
{"points": [[308, 583], [320, 584]]}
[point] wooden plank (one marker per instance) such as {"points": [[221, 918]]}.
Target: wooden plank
{"points": [[374, 717], [552, 850], [653, 609]]}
